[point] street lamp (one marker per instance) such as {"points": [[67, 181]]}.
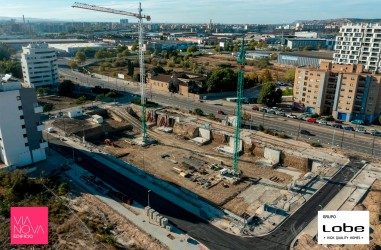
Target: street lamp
{"points": [[149, 191]]}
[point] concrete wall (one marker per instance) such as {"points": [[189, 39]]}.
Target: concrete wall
{"points": [[205, 133], [298, 162], [272, 154]]}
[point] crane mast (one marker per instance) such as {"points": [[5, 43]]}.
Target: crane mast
{"points": [[141, 51], [241, 62]]}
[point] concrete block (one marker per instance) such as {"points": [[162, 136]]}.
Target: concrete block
{"points": [[150, 213], [158, 219], [146, 210], [154, 216], [169, 228], [164, 222]]}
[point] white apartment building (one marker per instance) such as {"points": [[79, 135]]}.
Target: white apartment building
{"points": [[39, 65], [21, 141], [359, 44]]}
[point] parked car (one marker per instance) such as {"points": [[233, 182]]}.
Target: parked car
{"points": [[372, 131], [305, 132], [337, 126], [281, 113], [339, 121], [271, 112], [311, 120], [255, 107], [359, 122], [377, 134], [289, 106], [291, 116], [361, 130], [348, 128], [323, 123], [274, 108], [263, 110], [220, 112]]}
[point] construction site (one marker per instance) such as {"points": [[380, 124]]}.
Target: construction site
{"points": [[195, 153]]}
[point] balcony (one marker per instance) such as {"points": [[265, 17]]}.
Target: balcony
{"points": [[43, 144], [38, 109], [40, 127]]}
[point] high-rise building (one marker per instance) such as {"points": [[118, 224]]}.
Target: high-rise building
{"points": [[21, 141], [359, 44], [347, 92], [123, 22], [39, 65]]}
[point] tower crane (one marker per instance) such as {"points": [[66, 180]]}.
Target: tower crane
{"points": [[141, 51], [240, 84]]}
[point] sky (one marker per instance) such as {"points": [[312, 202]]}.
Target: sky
{"points": [[198, 11]]}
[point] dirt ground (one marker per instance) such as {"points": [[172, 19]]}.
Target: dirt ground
{"points": [[59, 102], [372, 202], [149, 159], [125, 232]]}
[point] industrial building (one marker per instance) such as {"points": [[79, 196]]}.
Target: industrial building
{"points": [[312, 43], [21, 140], [72, 48], [359, 44], [39, 65], [304, 58], [347, 92]]}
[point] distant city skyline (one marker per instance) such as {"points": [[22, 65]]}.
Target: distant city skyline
{"points": [[197, 11]]}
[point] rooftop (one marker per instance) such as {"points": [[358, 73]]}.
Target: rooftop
{"points": [[314, 54]]}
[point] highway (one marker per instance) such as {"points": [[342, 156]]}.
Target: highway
{"points": [[325, 135], [209, 235]]}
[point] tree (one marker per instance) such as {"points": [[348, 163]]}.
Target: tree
{"points": [[192, 49], [269, 95], [199, 112], [66, 88], [81, 100], [289, 75], [13, 67], [135, 47], [80, 56], [73, 64], [266, 76], [136, 77], [222, 80], [63, 189], [42, 91], [4, 52], [130, 68], [274, 56], [217, 48]]}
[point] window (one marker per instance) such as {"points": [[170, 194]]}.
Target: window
{"points": [[21, 117], [349, 97], [352, 78], [316, 86], [318, 74], [26, 144], [351, 84], [347, 109], [22, 126], [350, 91], [342, 90], [24, 135], [20, 107], [18, 98], [314, 103]]}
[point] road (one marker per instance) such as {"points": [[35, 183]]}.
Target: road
{"points": [[201, 230], [326, 135]]}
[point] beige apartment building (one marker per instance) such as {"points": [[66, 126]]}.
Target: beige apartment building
{"points": [[348, 92]]}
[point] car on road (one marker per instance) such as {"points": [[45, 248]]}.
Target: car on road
{"points": [[361, 130], [220, 112], [348, 128], [292, 116], [323, 123], [305, 132], [337, 126], [255, 107], [311, 120], [372, 131]]}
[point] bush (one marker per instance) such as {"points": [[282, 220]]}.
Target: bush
{"points": [[315, 144], [48, 107], [261, 128], [100, 97], [81, 100], [211, 116], [314, 115], [199, 112], [329, 118], [63, 189]]}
